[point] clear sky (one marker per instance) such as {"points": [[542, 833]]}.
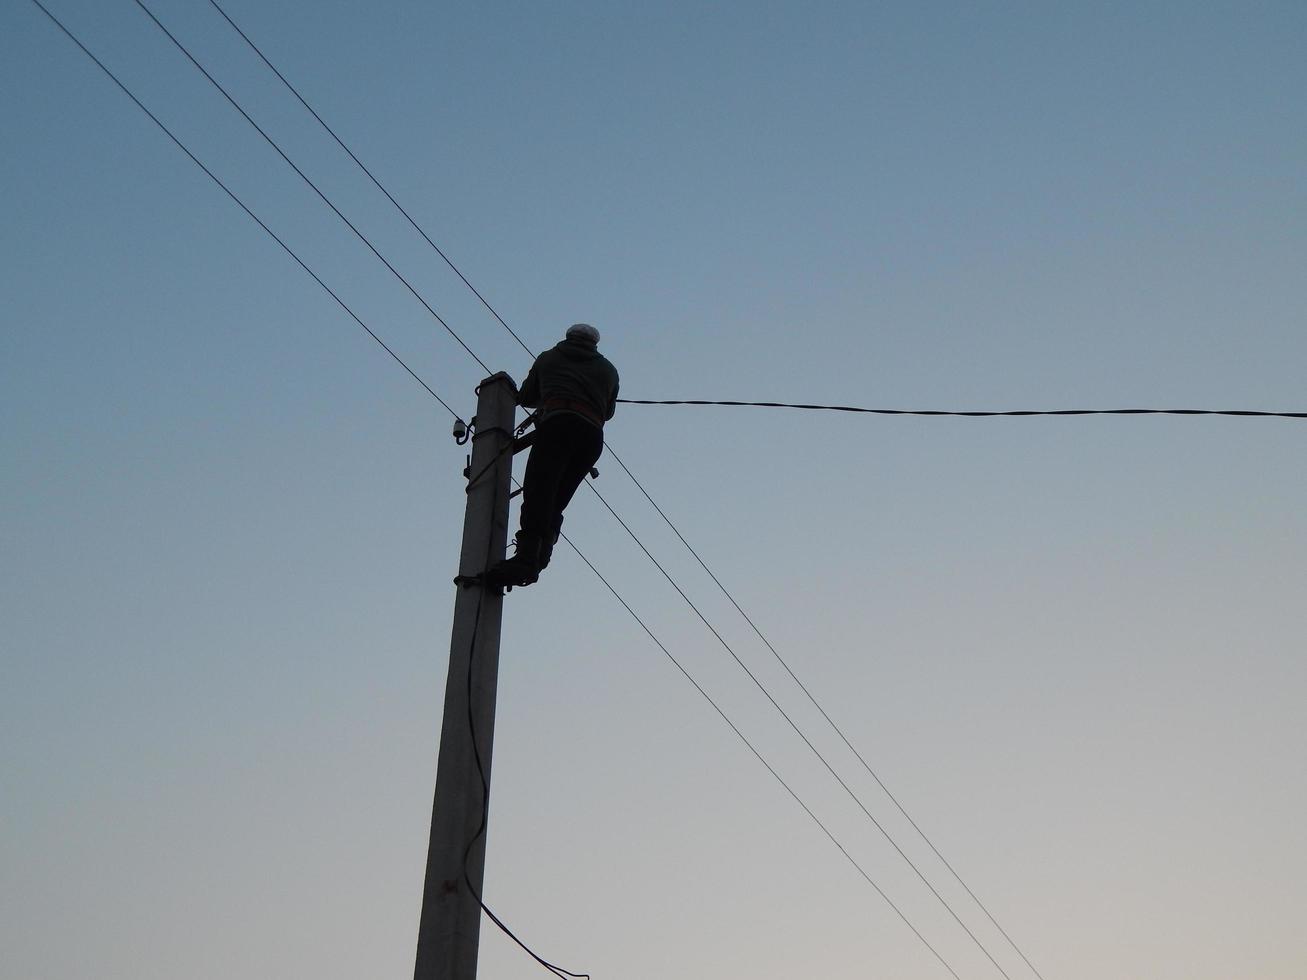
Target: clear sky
{"points": [[1072, 647]]}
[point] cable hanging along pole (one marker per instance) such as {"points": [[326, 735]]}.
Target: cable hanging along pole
{"points": [[449, 927], [450, 923]]}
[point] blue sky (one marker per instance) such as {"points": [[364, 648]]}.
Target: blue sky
{"points": [[1071, 647]]}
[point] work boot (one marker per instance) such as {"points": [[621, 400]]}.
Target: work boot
{"points": [[522, 569]]}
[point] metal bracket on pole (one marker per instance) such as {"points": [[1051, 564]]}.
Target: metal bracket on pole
{"points": [[492, 429]]}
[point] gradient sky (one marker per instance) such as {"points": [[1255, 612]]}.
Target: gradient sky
{"points": [[1073, 648]]}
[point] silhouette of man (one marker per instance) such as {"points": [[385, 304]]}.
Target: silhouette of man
{"points": [[575, 389]]}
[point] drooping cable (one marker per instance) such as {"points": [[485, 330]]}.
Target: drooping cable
{"points": [[556, 970], [242, 205], [904, 411], [305, 177]]}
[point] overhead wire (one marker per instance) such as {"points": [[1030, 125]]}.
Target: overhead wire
{"points": [[837, 729], [759, 756], [802, 735], [752, 404], [617, 458], [305, 177], [903, 411], [556, 970], [244, 207], [627, 401], [399, 360], [362, 166], [353, 228]]}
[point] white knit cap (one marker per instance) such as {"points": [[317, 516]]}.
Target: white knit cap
{"points": [[583, 331]]}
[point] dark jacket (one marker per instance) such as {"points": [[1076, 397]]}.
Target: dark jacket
{"points": [[572, 376]]}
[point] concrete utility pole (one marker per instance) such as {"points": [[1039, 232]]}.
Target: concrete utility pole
{"points": [[451, 916]]}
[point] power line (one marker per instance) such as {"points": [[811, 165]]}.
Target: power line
{"points": [[755, 404], [259, 221], [363, 238], [554, 969], [305, 177], [902, 411], [219, 182], [317, 116], [806, 741], [758, 755], [344, 306], [810, 407], [390, 197], [831, 721]]}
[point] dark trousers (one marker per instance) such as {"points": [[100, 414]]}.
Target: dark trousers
{"points": [[565, 448]]}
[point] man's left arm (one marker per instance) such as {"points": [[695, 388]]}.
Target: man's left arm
{"points": [[528, 395]]}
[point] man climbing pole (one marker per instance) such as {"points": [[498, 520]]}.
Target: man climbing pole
{"points": [[575, 389]]}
